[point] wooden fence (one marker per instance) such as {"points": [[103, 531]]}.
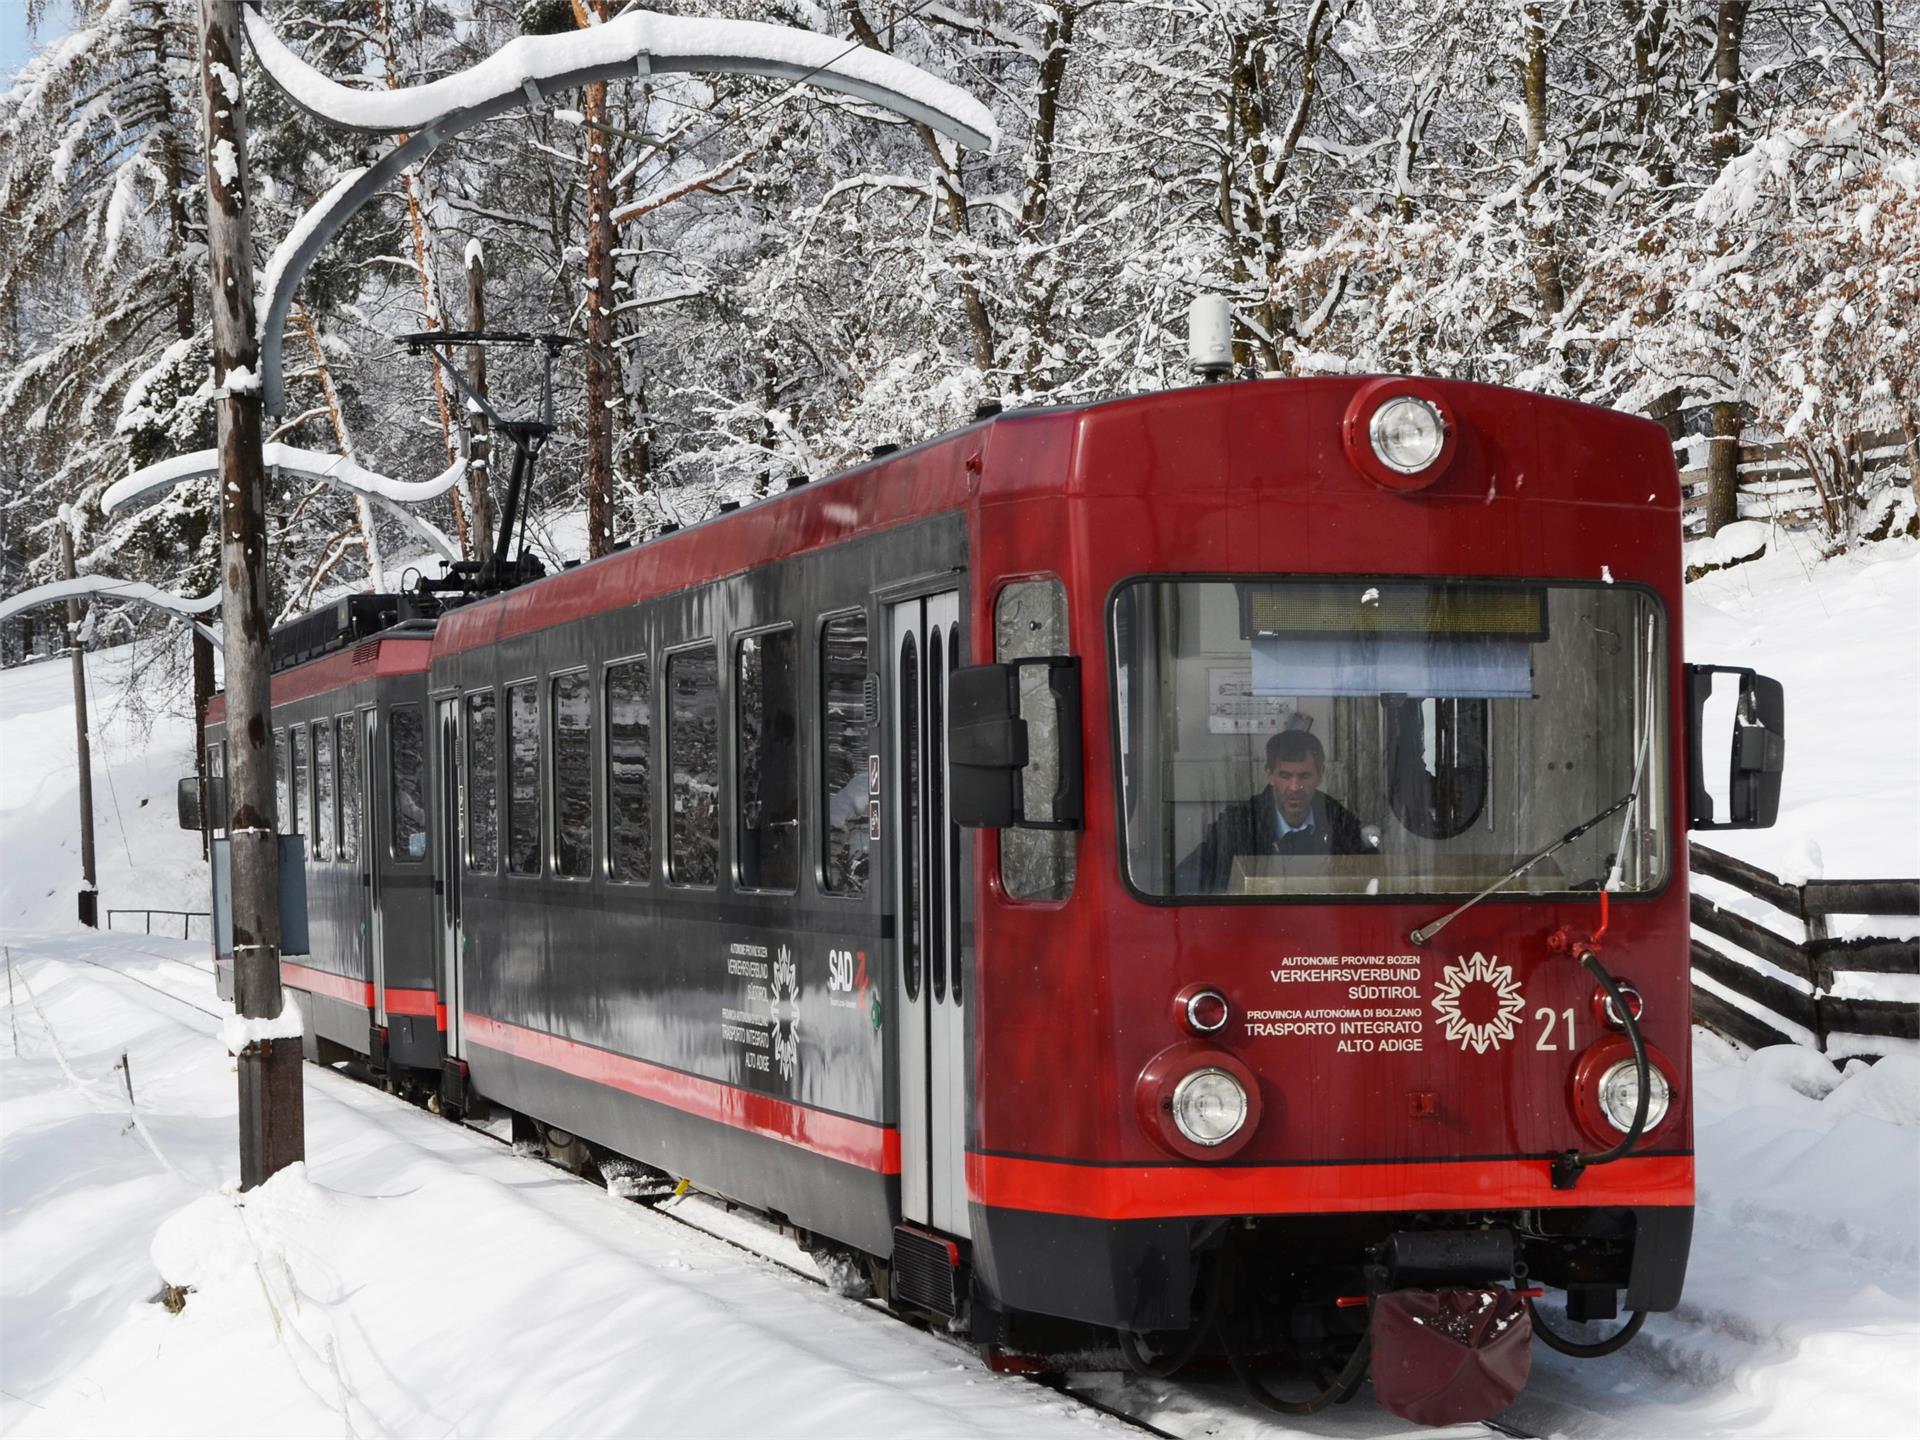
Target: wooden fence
{"points": [[1775, 483], [1787, 983]]}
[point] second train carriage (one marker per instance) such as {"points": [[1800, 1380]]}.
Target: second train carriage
{"points": [[349, 725], [1122, 1048]]}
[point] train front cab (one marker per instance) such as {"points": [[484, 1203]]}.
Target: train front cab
{"points": [[1264, 1089], [349, 745]]}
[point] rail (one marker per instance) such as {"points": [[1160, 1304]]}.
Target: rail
{"points": [[1755, 982], [186, 918]]}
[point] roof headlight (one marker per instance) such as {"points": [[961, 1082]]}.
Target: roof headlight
{"points": [[1210, 1106], [1408, 434], [1619, 1092]]}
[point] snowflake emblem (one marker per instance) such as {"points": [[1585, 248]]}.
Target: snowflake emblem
{"points": [[785, 995], [1479, 1002]]}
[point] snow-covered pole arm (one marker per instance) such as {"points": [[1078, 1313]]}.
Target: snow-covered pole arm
{"points": [[105, 587], [631, 47], [152, 481], [529, 71]]}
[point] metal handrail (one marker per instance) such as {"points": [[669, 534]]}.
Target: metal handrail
{"points": [[187, 917]]}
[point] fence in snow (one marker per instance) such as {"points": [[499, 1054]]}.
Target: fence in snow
{"points": [[1776, 483], [1790, 981]]}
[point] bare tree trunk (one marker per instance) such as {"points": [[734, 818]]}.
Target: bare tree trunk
{"points": [[76, 617], [1036, 295], [1723, 467], [423, 268], [363, 507], [479, 428], [953, 200], [1723, 141], [1548, 288], [602, 363], [272, 1122]]}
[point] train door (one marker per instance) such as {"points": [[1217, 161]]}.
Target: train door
{"points": [[371, 939], [925, 869], [447, 866]]}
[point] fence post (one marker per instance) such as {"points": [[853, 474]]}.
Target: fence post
{"points": [[1822, 977]]}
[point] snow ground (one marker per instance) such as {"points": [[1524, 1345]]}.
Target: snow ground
{"points": [[349, 1296]]}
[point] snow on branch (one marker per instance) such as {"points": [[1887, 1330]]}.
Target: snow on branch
{"points": [[643, 43]]}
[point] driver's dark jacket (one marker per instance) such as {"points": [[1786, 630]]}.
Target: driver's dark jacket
{"points": [[1252, 827]]}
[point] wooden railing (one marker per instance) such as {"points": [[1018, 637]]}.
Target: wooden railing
{"points": [[1786, 981], [1776, 484]]}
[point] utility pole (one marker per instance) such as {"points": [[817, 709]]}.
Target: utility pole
{"points": [[272, 1123], [76, 615]]}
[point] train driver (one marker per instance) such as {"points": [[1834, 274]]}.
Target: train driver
{"points": [[1291, 816]]}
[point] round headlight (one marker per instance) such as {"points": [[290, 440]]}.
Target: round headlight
{"points": [[1408, 434], [1620, 1091], [1209, 1107]]}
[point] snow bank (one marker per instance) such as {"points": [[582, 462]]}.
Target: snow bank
{"points": [[1843, 637]]}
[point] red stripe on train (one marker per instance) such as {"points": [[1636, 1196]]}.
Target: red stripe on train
{"points": [[838, 1137], [325, 982], [417, 1002], [1123, 1192]]}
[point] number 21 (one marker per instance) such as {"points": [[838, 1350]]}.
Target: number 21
{"points": [[1546, 1014]]}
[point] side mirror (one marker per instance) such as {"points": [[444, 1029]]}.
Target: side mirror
{"points": [[1007, 735], [1757, 750], [187, 803]]}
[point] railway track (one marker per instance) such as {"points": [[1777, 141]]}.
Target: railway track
{"points": [[741, 1230]]}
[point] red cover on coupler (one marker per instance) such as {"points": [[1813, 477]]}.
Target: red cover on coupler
{"points": [[1443, 1357]]}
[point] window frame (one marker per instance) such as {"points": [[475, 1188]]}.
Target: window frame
{"points": [[823, 846], [318, 728], [383, 741], [654, 868], [1001, 585], [738, 798], [550, 778], [1676, 838], [492, 692], [506, 688], [344, 725], [722, 865]]}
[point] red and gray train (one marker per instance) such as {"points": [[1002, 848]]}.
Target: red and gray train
{"points": [[919, 855]]}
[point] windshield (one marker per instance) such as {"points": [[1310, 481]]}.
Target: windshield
{"points": [[1388, 737]]}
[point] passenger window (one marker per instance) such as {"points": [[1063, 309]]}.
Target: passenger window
{"points": [[1030, 620], [572, 699], [523, 779], [693, 761], [350, 781], [281, 800], [323, 790], [767, 725], [483, 782], [297, 801], [847, 741], [629, 771], [407, 782], [1436, 764]]}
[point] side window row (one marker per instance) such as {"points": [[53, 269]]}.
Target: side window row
{"points": [[768, 846], [333, 812]]}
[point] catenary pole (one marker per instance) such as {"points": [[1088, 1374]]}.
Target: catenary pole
{"points": [[76, 614], [272, 1125]]}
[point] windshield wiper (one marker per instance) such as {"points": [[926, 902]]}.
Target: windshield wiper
{"points": [[1427, 932]]}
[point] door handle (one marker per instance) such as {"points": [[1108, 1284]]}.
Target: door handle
{"points": [[366, 880], [439, 886]]}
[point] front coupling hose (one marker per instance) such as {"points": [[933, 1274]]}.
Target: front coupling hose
{"points": [[1568, 1168]]}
